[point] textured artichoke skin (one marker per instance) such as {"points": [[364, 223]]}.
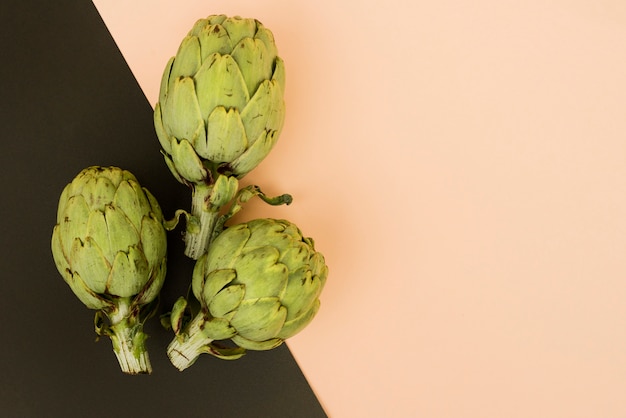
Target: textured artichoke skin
{"points": [[221, 106], [109, 241], [263, 278]]}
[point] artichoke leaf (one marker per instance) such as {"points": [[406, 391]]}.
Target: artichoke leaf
{"points": [[295, 325], [130, 198], [98, 231], [218, 329], [247, 161], [215, 281], [165, 80], [220, 83], [151, 289], [90, 263], [276, 118], [226, 300], [265, 35], [226, 136], [239, 28], [224, 353], [153, 239], [120, 231], [224, 190], [198, 276], [226, 248], [162, 135], [155, 208], [279, 75], [256, 114], [296, 255], [301, 291], [170, 164], [216, 19], [60, 259], [187, 162], [319, 268], [74, 222], [213, 39], [254, 61], [259, 271], [263, 233], [197, 27], [129, 273], [181, 112], [178, 314], [63, 200], [187, 61], [98, 192], [84, 294], [259, 319], [264, 345]]}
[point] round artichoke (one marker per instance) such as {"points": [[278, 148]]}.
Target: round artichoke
{"points": [[109, 244], [258, 284], [221, 106]]}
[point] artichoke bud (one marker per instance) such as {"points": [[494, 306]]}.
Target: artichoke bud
{"points": [[109, 245], [221, 99], [263, 277]]}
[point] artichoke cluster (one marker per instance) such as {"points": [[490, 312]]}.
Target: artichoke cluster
{"points": [[220, 112]]}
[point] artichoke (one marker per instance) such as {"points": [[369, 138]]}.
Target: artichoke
{"points": [[109, 244], [221, 104], [258, 284], [220, 110]]}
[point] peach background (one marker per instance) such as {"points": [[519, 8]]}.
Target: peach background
{"points": [[462, 165]]}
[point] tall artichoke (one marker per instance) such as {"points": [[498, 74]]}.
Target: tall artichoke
{"points": [[258, 284], [221, 104], [109, 244], [220, 110]]}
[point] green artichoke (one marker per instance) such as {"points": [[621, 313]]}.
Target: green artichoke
{"points": [[109, 244], [220, 111], [258, 284], [221, 106]]}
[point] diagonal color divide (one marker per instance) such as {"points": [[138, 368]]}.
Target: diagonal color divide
{"points": [[469, 173]]}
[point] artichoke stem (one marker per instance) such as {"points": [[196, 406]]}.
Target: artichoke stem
{"points": [[185, 349], [197, 241], [129, 346]]}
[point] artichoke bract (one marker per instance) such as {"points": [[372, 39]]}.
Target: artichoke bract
{"points": [[258, 284], [220, 109], [109, 244]]}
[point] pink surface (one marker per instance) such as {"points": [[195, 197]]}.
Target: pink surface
{"points": [[462, 165]]}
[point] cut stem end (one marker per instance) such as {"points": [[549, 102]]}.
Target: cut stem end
{"points": [[186, 347], [129, 348]]}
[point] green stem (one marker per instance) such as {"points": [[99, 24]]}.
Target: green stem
{"points": [[128, 338], [186, 347], [197, 240]]}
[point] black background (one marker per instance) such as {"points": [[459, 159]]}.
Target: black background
{"points": [[67, 101]]}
